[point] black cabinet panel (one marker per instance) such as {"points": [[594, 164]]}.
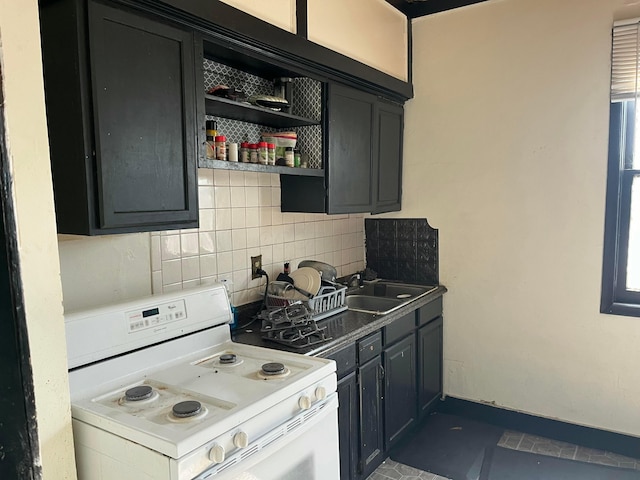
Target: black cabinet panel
{"points": [[350, 150], [348, 425], [371, 439], [390, 126], [122, 113], [429, 365], [400, 389]]}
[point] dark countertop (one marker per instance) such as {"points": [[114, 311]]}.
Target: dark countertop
{"points": [[343, 328]]}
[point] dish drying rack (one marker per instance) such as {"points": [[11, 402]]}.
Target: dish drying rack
{"points": [[330, 300]]}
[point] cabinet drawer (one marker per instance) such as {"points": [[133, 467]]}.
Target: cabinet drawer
{"points": [[369, 347], [399, 328], [345, 360], [429, 311]]}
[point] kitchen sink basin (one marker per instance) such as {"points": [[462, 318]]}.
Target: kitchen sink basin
{"points": [[365, 303], [383, 297]]}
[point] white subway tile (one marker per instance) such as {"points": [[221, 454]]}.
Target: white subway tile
{"points": [[207, 242], [241, 279], [174, 287], [277, 232], [264, 180], [156, 253], [196, 282], [278, 253], [239, 238], [221, 177], [251, 179], [253, 237], [238, 218], [289, 232], [189, 244], [276, 216], [253, 196], [205, 176], [207, 219], [208, 266], [265, 216], [241, 259], [224, 241], [266, 235], [171, 271], [190, 268], [253, 216], [300, 232], [222, 197], [267, 254], [205, 197], [236, 178], [238, 197], [275, 180], [170, 247], [224, 262], [223, 219], [156, 282]]}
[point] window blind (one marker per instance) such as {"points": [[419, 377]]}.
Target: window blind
{"points": [[625, 60]]}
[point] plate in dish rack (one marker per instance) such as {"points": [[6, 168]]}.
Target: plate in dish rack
{"points": [[307, 279]]}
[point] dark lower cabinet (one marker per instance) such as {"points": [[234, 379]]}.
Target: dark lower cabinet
{"points": [[370, 377], [348, 425], [429, 365], [399, 389], [123, 116]]}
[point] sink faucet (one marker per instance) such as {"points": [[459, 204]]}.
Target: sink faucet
{"points": [[355, 280]]}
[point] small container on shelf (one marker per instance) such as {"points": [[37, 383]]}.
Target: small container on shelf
{"points": [[253, 152], [263, 153], [296, 158], [288, 157], [244, 152], [221, 147], [271, 150]]}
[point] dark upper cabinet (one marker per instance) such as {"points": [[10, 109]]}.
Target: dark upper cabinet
{"points": [[363, 158], [429, 365], [122, 113], [350, 150], [388, 179], [400, 389]]}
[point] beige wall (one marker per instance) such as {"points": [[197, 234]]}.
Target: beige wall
{"points": [[505, 153], [281, 13], [370, 31], [29, 162]]}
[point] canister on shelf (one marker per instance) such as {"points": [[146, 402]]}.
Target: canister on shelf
{"points": [[296, 158], [288, 157], [221, 147], [271, 149], [211, 127], [263, 153], [244, 152], [233, 152], [253, 152]]}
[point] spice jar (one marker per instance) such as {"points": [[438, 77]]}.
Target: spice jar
{"points": [[211, 134], [263, 153], [244, 152], [296, 158], [271, 149], [288, 157], [221, 147], [253, 152]]}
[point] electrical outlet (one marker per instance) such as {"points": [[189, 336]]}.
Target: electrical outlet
{"points": [[256, 264]]}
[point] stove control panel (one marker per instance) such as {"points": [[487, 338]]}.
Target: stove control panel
{"points": [[156, 317]]}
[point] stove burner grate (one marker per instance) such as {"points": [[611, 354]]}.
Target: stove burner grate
{"points": [[141, 392], [292, 326], [186, 409]]}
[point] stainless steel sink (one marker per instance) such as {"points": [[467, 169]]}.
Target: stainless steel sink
{"points": [[365, 303], [382, 297]]}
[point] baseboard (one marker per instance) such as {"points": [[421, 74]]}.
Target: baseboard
{"points": [[545, 427]]}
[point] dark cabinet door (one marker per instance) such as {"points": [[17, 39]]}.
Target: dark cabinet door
{"points": [[390, 127], [122, 113], [429, 365], [400, 389], [348, 425], [350, 151], [144, 119], [370, 377]]}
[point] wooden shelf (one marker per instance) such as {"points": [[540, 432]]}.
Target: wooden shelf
{"points": [[223, 107], [257, 167]]}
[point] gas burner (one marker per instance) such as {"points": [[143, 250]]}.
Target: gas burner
{"points": [[186, 409], [273, 370], [228, 358], [138, 395]]}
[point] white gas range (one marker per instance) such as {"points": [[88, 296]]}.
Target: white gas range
{"points": [[159, 391]]}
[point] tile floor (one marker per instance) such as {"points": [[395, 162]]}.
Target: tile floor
{"points": [[390, 470]]}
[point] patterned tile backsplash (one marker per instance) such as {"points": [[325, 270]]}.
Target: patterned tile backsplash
{"points": [[403, 249], [240, 217]]}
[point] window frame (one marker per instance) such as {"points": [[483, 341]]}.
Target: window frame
{"points": [[615, 298]]}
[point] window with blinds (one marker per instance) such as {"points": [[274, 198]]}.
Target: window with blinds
{"points": [[621, 265]]}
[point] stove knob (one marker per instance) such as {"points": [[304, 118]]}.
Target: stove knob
{"points": [[321, 393], [241, 440], [304, 403], [217, 454]]}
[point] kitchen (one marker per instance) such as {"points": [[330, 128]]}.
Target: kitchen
{"points": [[533, 185]]}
